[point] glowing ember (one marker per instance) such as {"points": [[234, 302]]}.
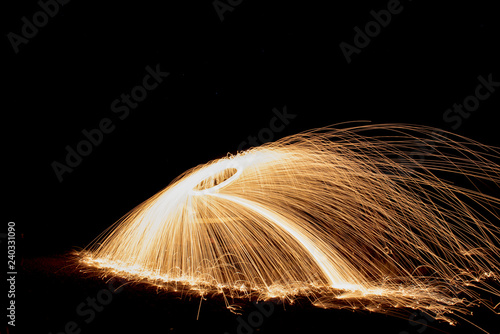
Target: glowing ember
{"points": [[327, 214]]}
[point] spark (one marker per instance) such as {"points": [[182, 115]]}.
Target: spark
{"points": [[347, 217]]}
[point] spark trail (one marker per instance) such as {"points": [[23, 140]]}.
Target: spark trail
{"points": [[344, 216]]}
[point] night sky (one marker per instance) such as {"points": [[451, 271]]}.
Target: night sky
{"points": [[172, 84]]}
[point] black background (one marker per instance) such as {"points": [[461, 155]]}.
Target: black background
{"points": [[225, 79]]}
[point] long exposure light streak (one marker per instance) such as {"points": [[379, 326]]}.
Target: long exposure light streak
{"points": [[347, 217]]}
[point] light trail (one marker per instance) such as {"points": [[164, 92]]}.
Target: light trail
{"points": [[346, 217]]}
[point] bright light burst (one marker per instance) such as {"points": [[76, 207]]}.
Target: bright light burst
{"points": [[358, 216]]}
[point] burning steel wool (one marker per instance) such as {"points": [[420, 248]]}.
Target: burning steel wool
{"points": [[370, 217]]}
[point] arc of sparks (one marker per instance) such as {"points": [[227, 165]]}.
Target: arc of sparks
{"points": [[349, 215]]}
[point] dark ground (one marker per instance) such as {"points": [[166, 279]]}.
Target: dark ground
{"points": [[55, 292], [54, 289], [226, 77]]}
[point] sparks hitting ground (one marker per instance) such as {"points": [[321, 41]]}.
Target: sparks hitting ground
{"points": [[360, 215]]}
